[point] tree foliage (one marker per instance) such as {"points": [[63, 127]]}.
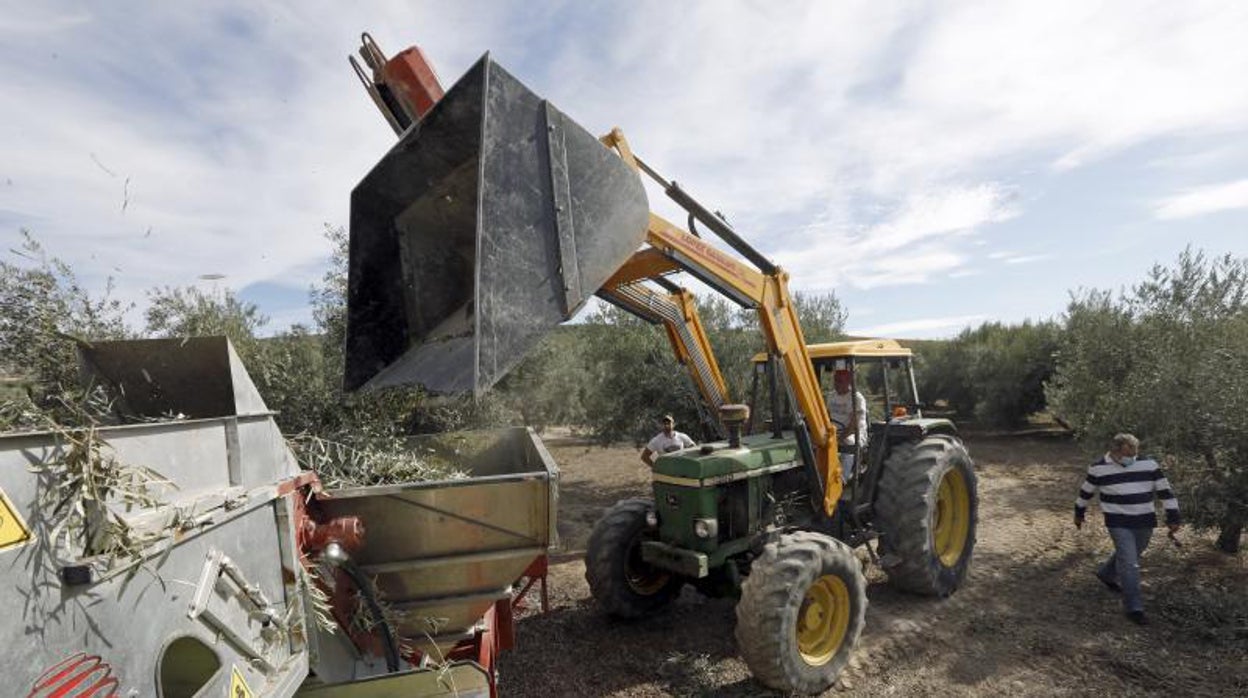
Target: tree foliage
{"points": [[615, 374], [994, 374], [1168, 360], [821, 315], [189, 311], [44, 311]]}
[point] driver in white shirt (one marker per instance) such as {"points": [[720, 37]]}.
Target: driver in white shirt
{"points": [[850, 414], [666, 441]]}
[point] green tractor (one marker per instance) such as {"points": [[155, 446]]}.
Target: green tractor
{"points": [[740, 518]]}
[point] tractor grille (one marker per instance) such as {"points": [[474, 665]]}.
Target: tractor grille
{"points": [[734, 510]]}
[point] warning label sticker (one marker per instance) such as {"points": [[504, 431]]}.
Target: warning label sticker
{"points": [[238, 685], [13, 530]]}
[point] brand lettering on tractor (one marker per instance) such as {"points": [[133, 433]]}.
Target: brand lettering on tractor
{"points": [[727, 264]]}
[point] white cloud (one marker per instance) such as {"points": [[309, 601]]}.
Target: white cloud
{"points": [[1008, 257], [41, 20], [922, 328], [1082, 79], [1203, 200], [917, 242], [231, 135], [1028, 258], [902, 111], [951, 212], [857, 142]]}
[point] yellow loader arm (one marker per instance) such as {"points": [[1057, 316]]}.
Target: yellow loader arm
{"points": [[761, 286], [496, 217]]}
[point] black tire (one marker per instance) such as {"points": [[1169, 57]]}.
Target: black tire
{"points": [[788, 645], [927, 510], [621, 583]]}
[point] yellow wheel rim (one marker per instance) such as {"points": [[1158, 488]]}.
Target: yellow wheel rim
{"points": [[953, 517], [823, 620], [642, 578]]}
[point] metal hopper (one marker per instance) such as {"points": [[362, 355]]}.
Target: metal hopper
{"points": [[442, 553], [491, 221]]}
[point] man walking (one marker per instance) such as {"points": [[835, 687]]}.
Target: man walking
{"points": [[666, 441], [1128, 486]]}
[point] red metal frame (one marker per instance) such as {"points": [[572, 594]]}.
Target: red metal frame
{"points": [[498, 625], [536, 572], [410, 76]]}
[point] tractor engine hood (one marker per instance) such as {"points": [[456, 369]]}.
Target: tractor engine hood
{"points": [[757, 452]]}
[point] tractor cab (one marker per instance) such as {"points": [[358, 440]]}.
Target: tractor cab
{"points": [[881, 371]]}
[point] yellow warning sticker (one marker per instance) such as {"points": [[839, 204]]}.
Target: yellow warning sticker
{"points": [[238, 685], [13, 530]]}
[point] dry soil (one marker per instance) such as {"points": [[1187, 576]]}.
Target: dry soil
{"points": [[1030, 620]]}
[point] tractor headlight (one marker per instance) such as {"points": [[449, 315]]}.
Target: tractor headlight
{"points": [[652, 519], [705, 528]]}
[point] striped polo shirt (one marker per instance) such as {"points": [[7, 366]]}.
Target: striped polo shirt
{"points": [[1127, 493]]}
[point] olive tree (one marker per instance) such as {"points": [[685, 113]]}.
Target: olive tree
{"points": [[628, 374], [994, 373], [44, 312], [1168, 360]]}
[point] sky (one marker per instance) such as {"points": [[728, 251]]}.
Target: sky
{"points": [[935, 164]]}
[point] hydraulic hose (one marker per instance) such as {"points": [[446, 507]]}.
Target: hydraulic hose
{"points": [[338, 556]]}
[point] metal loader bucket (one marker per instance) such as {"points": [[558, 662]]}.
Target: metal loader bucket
{"points": [[490, 222]]}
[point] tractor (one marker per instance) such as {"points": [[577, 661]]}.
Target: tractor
{"points": [[735, 518]]}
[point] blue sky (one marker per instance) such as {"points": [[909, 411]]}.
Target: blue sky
{"points": [[936, 164]]}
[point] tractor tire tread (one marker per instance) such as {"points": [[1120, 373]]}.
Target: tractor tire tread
{"points": [[766, 634], [605, 555], [905, 504]]}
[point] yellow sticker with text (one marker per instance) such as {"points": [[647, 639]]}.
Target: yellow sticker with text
{"points": [[13, 530], [238, 685]]}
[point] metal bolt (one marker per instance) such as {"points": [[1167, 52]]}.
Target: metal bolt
{"points": [[335, 553]]}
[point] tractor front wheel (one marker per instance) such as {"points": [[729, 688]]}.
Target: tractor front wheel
{"points": [[801, 611], [620, 581]]}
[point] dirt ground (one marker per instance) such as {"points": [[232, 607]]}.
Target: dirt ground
{"points": [[1030, 620]]}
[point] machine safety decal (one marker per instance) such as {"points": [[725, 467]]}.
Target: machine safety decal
{"points": [[238, 685], [13, 530]]}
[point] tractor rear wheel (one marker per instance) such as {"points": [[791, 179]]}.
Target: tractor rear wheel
{"points": [[801, 612], [620, 581], [927, 508]]}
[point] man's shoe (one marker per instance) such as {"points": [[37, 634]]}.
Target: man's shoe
{"points": [[1113, 586], [1137, 617]]}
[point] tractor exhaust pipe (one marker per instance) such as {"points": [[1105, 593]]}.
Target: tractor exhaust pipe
{"points": [[733, 417]]}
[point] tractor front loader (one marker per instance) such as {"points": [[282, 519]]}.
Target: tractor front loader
{"points": [[496, 217]]}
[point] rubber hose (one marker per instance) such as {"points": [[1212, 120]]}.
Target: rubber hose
{"points": [[361, 583]]}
